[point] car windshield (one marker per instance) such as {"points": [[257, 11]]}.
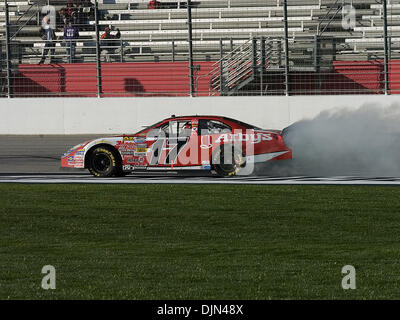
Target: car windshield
{"points": [[149, 127]]}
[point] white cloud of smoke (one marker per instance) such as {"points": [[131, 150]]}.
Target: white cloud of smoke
{"points": [[362, 142]]}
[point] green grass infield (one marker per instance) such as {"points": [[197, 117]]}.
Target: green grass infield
{"points": [[199, 241]]}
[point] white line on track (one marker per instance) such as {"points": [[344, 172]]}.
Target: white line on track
{"points": [[301, 180]]}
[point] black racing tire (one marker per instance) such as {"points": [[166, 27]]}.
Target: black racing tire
{"points": [[222, 166], [103, 162]]}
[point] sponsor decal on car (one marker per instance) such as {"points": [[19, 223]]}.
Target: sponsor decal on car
{"points": [[141, 149], [127, 148], [139, 140], [206, 165], [240, 137], [131, 160], [206, 142]]}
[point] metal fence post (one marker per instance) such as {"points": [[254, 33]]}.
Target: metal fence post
{"points": [[385, 40], [254, 53], [8, 52], [285, 18], [263, 58], [121, 46], [221, 68], [190, 40], [70, 51], [98, 62], [279, 49], [173, 51], [317, 60]]}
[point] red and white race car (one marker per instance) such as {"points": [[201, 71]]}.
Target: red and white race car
{"points": [[218, 144]]}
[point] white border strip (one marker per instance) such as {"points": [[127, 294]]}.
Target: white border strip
{"points": [[200, 180]]}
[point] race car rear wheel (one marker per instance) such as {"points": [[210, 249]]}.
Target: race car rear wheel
{"points": [[227, 163], [103, 162]]}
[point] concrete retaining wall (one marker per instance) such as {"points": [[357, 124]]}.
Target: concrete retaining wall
{"points": [[127, 115]]}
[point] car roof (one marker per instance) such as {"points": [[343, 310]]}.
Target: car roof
{"points": [[173, 117], [237, 122], [200, 117]]}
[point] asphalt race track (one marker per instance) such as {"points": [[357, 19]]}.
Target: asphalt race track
{"points": [[36, 159], [35, 154]]}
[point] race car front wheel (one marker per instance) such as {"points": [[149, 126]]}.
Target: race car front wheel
{"points": [[227, 161], [103, 162]]}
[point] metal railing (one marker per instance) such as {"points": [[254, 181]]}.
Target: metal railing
{"points": [[243, 65], [329, 17], [228, 71]]}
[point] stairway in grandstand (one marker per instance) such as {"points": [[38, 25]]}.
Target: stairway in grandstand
{"points": [[253, 65], [243, 65]]}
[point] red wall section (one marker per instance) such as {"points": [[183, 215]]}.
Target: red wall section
{"points": [[370, 74], [118, 79], [394, 76], [172, 79], [346, 77], [33, 80], [358, 75]]}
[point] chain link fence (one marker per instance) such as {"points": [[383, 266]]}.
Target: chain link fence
{"points": [[198, 48]]}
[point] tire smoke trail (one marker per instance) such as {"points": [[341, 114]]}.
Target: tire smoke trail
{"points": [[361, 142]]}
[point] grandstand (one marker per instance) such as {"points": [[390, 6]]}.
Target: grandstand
{"points": [[238, 48]]}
